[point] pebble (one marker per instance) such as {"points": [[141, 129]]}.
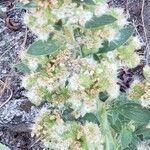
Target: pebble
{"points": [[4, 71]]}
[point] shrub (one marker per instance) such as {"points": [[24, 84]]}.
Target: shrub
{"points": [[74, 66]]}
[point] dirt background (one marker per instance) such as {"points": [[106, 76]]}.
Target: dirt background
{"points": [[16, 112]]}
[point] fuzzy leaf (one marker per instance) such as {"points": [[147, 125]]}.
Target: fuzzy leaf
{"points": [[90, 117], [96, 22], [44, 47], [134, 142], [3, 147], [88, 2], [103, 96], [26, 6], [67, 116], [125, 137], [145, 132], [21, 67], [122, 37], [136, 112]]}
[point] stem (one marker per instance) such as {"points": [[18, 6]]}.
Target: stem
{"points": [[110, 142]]}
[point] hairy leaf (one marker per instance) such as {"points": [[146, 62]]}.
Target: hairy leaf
{"points": [[125, 137], [90, 117], [136, 112], [26, 6], [96, 22], [121, 38], [88, 2], [44, 47], [22, 67], [103, 96], [145, 132], [67, 116]]}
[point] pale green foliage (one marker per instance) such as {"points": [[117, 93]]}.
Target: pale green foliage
{"points": [[146, 72], [3, 147], [141, 90], [74, 66], [44, 48]]}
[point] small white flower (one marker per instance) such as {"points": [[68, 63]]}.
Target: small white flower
{"points": [[26, 18], [86, 16], [87, 107], [143, 145], [121, 18], [148, 126], [24, 1], [138, 44], [63, 79], [34, 96], [41, 20], [114, 90], [111, 55], [69, 46], [100, 9], [41, 82], [33, 64], [41, 33], [146, 72], [122, 22], [50, 87], [145, 103], [25, 82], [93, 136], [65, 12], [74, 82], [112, 35], [90, 60]]}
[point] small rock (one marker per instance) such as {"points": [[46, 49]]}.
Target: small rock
{"points": [[4, 71]]}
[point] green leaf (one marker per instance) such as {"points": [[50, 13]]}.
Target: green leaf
{"points": [[145, 132], [67, 116], [113, 117], [26, 6], [88, 2], [21, 67], [136, 112], [44, 47], [58, 25], [84, 143], [110, 142], [121, 38], [103, 96], [134, 143], [90, 117], [96, 22], [125, 137], [3, 147]]}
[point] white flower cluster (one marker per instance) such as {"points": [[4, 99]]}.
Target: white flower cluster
{"points": [[74, 76], [85, 78], [141, 90], [45, 14], [57, 134]]}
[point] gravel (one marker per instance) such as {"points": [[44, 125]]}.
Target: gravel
{"points": [[18, 114]]}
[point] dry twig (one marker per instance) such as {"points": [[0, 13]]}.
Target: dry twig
{"points": [[5, 86], [147, 50]]}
